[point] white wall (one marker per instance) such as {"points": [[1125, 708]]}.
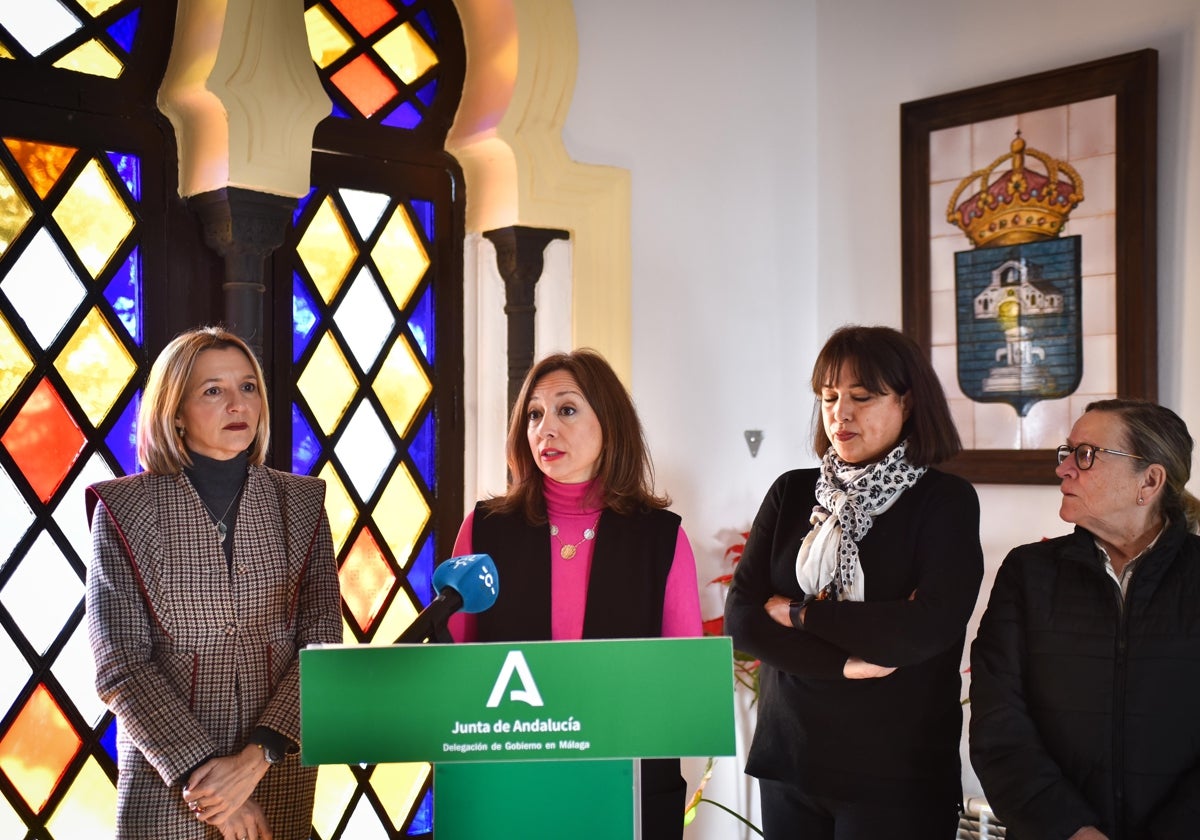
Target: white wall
{"points": [[763, 138]]}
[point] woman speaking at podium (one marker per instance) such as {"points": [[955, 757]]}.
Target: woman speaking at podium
{"points": [[585, 548]]}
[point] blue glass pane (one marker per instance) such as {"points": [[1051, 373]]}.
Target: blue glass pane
{"points": [[426, 212], [304, 317], [302, 203], [426, 22], [124, 294], [421, 324], [420, 576], [427, 93], [423, 452], [406, 116], [129, 168], [109, 740], [340, 113], [124, 30], [305, 448], [122, 440], [423, 821]]}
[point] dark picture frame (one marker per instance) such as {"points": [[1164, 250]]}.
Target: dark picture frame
{"points": [[1132, 80]]}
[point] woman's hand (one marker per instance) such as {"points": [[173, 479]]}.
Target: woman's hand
{"points": [[246, 823], [858, 669], [779, 609], [1088, 832], [220, 786]]}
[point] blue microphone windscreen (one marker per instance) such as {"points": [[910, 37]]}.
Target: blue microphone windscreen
{"points": [[473, 576]]}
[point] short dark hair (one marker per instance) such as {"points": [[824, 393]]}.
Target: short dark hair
{"points": [[1160, 436], [887, 361], [624, 475]]}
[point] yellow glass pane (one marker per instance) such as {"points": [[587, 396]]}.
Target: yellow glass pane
{"points": [[94, 217], [327, 383], [97, 7], [37, 749], [398, 786], [15, 362], [14, 211], [401, 514], [335, 786], [395, 620], [41, 163], [92, 58], [406, 52], [327, 250], [366, 580], [348, 637], [339, 507], [4, 52], [326, 40], [90, 807], [96, 366], [400, 257], [402, 386]]}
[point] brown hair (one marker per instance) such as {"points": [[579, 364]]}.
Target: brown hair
{"points": [[1160, 436], [624, 475], [160, 449], [886, 360]]}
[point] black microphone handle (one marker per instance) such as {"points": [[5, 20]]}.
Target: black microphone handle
{"points": [[447, 603]]}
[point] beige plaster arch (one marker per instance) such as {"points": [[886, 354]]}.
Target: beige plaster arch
{"points": [[521, 62]]}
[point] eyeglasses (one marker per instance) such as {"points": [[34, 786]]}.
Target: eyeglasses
{"points": [[1085, 454]]}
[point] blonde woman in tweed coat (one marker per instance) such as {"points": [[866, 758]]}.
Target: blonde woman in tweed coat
{"points": [[210, 572]]}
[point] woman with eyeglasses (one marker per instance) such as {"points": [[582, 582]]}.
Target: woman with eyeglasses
{"points": [[1085, 673]]}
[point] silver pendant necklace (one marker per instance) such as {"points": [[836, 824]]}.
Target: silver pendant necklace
{"points": [[219, 524], [567, 550]]}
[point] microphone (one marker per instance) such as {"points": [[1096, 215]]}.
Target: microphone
{"points": [[469, 583]]}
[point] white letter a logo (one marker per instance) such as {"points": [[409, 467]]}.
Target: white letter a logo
{"points": [[515, 663]]}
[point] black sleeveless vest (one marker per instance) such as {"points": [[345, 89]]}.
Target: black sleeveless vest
{"points": [[628, 580]]}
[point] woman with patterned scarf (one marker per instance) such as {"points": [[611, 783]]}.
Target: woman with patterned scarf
{"points": [[854, 590]]}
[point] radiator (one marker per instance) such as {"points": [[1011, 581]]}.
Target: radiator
{"points": [[978, 822]]}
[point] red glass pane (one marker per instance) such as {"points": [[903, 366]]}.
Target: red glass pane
{"points": [[366, 580], [366, 15], [44, 440], [37, 749], [41, 162], [365, 85]]}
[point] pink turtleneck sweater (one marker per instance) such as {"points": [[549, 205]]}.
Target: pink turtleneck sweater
{"points": [[566, 508]]}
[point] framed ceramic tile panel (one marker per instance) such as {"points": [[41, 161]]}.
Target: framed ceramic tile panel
{"points": [[1028, 247]]}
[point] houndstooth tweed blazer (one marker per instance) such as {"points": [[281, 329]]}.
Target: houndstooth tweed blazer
{"points": [[192, 655]]}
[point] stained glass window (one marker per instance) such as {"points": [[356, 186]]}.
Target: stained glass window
{"points": [[95, 37], [71, 361]]}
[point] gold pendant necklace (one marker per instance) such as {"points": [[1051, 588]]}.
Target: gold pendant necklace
{"points": [[567, 550]]}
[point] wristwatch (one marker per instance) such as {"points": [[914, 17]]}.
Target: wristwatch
{"points": [[271, 754]]}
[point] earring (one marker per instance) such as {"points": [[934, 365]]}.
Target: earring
{"points": [[179, 431], [1141, 501]]}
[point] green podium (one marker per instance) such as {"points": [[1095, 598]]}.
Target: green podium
{"points": [[528, 739]]}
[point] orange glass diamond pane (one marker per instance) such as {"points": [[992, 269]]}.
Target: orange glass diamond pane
{"points": [[406, 53], [365, 85], [14, 211], [400, 514], [95, 366], [37, 749], [327, 41], [402, 386], [400, 257], [327, 250], [42, 163], [366, 580], [15, 362], [94, 217], [328, 383], [44, 440], [92, 58], [398, 786], [366, 15], [90, 807]]}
